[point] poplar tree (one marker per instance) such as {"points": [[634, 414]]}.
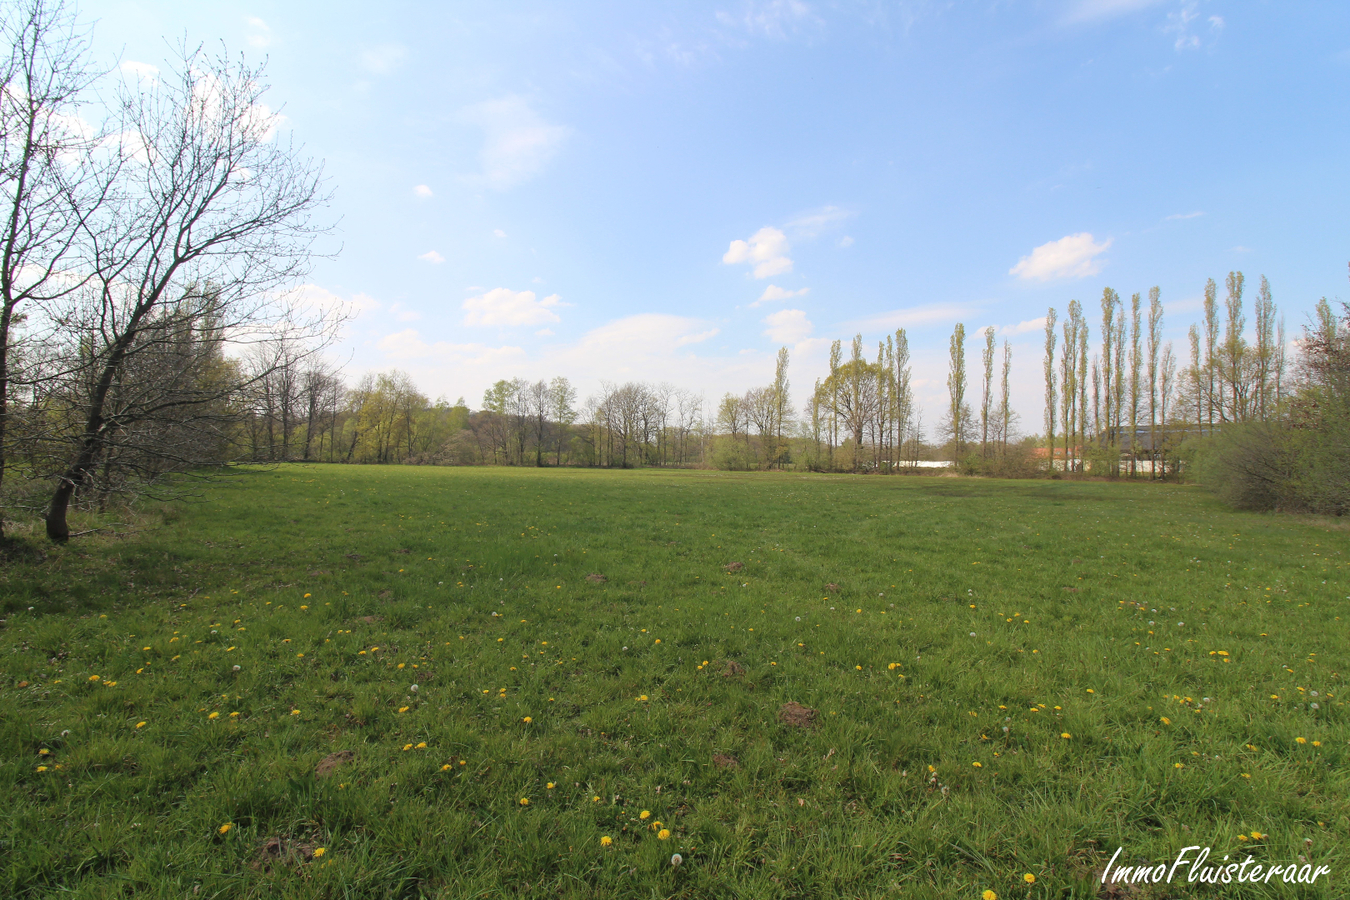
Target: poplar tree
{"points": [[1136, 363], [1155, 318], [956, 388], [1234, 351], [1050, 399], [986, 401], [1110, 299], [1004, 409], [1211, 346]]}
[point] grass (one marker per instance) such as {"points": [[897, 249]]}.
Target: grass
{"points": [[1008, 678]]}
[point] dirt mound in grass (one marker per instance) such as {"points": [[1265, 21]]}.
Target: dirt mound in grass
{"points": [[329, 763], [280, 851], [722, 761], [794, 714], [596, 578], [733, 669], [734, 567]]}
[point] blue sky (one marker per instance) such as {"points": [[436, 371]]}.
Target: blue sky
{"points": [[539, 189]]}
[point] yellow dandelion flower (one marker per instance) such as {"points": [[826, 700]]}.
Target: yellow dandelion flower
{"points": [[524, 801], [306, 596], [305, 607], [989, 895], [400, 665], [43, 752], [42, 768], [663, 834], [645, 814], [1029, 878], [421, 745], [1165, 720], [295, 712], [549, 785], [234, 715], [978, 765], [606, 841], [1256, 835], [1299, 740], [214, 715], [595, 799], [446, 768], [1178, 765], [1317, 743], [140, 724], [319, 851], [407, 747], [94, 677], [225, 829], [1065, 735], [527, 720]]}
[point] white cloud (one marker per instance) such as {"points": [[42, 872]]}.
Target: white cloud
{"points": [[423, 191], [1216, 22], [505, 307], [846, 241], [140, 71], [1190, 215], [259, 34], [517, 143], [401, 313], [697, 337], [788, 326], [499, 233], [1072, 256], [766, 250], [432, 257], [774, 293], [912, 316], [545, 332], [1179, 23], [770, 18], [383, 59], [1023, 327], [408, 345], [811, 224]]}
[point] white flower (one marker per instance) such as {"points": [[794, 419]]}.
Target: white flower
{"points": [[413, 688], [236, 668], [676, 859]]}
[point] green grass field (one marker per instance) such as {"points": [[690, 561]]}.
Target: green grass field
{"points": [[1007, 679]]}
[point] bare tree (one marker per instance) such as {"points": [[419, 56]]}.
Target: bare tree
{"points": [[211, 215], [48, 180], [987, 398]]}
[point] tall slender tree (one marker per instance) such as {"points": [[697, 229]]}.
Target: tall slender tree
{"points": [[987, 398], [956, 388], [1050, 398], [1155, 319], [1136, 364]]}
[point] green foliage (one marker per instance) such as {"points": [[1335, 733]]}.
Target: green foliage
{"points": [[1177, 643]]}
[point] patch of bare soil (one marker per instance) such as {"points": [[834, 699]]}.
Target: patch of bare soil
{"points": [[794, 714], [596, 578], [722, 761], [279, 851], [733, 669], [329, 763], [734, 566]]}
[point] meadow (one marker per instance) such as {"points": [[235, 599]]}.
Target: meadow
{"points": [[388, 682]]}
